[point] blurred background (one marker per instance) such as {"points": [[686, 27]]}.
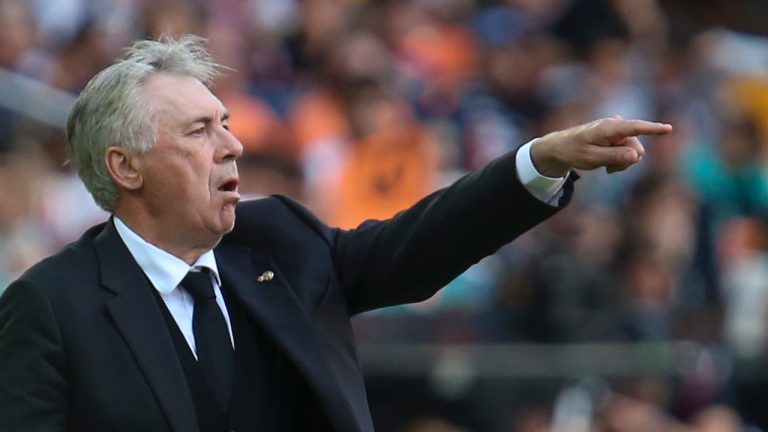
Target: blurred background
{"points": [[642, 307]]}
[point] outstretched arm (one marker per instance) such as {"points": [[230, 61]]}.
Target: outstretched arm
{"points": [[410, 256]]}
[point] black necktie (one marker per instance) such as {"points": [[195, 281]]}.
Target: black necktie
{"points": [[214, 347]]}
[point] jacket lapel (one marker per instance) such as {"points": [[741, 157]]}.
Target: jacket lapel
{"points": [[139, 320], [271, 302]]}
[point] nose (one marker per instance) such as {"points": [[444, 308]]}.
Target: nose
{"points": [[230, 147]]}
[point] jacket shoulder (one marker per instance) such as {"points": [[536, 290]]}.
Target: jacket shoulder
{"points": [[75, 263], [276, 218]]}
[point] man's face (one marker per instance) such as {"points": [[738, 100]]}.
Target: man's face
{"points": [[190, 176]]}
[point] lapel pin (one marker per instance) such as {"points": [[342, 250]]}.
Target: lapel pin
{"points": [[265, 277]]}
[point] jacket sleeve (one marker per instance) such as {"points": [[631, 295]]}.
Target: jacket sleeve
{"points": [[414, 254], [32, 379]]}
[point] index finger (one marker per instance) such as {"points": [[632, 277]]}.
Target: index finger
{"points": [[628, 128]]}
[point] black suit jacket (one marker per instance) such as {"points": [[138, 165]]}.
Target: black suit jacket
{"points": [[83, 344]]}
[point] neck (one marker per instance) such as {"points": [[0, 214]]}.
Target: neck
{"points": [[166, 238]]}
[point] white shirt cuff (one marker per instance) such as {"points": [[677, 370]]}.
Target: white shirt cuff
{"points": [[546, 189]]}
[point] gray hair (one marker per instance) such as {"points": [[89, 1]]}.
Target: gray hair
{"points": [[111, 111]]}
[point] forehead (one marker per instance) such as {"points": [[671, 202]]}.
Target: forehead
{"points": [[180, 97]]}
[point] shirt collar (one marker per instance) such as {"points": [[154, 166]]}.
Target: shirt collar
{"points": [[164, 270]]}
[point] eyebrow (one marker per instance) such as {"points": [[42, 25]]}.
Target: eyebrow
{"points": [[208, 119]]}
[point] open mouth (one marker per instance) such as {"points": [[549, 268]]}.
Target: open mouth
{"points": [[229, 186]]}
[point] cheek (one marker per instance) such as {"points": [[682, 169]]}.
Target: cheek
{"points": [[203, 173], [195, 175]]}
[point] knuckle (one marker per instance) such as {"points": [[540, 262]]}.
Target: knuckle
{"points": [[602, 122], [616, 157]]}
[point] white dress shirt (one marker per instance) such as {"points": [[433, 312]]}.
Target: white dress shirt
{"points": [[166, 272], [546, 189]]}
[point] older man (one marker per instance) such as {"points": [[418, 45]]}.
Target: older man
{"points": [[188, 311]]}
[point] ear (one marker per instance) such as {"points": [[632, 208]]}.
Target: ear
{"points": [[124, 168]]}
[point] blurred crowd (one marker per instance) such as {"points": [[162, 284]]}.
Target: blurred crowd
{"points": [[358, 108]]}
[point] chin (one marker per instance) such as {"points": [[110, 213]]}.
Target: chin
{"points": [[228, 222], [228, 229], [223, 221]]}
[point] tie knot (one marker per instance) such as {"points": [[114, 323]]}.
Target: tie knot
{"points": [[198, 285]]}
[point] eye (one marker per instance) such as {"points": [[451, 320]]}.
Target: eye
{"points": [[197, 132]]}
